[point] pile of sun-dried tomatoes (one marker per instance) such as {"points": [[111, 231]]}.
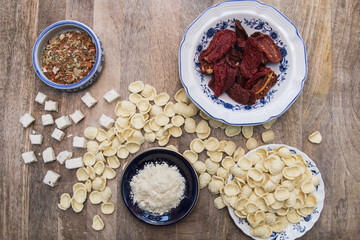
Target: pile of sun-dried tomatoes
{"points": [[237, 63]]}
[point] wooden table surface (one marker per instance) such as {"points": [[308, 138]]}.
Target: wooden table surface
{"points": [[141, 41]]}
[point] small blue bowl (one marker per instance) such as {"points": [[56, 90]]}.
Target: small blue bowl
{"points": [[171, 158], [65, 26]]}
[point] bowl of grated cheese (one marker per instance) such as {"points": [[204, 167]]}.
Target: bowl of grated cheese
{"points": [[159, 186]]}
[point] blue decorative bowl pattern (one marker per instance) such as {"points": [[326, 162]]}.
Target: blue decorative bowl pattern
{"points": [[64, 26], [171, 158]]}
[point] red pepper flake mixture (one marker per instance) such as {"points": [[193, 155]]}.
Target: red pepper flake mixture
{"points": [[237, 62], [68, 57]]}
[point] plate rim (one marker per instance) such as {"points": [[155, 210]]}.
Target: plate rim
{"points": [[222, 118], [274, 145]]}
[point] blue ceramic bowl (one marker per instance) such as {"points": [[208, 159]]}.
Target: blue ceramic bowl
{"points": [[171, 158], [65, 26]]}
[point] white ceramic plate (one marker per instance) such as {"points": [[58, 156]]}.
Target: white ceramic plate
{"points": [[254, 16], [297, 230]]}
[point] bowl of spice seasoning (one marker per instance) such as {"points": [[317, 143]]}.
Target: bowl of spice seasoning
{"points": [[159, 186], [68, 56]]}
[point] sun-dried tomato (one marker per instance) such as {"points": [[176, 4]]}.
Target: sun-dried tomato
{"points": [[264, 85], [235, 55], [264, 60], [205, 67], [241, 43], [269, 48], [257, 76], [240, 31], [233, 59], [239, 79], [223, 78], [252, 98], [212, 44], [220, 69], [230, 78], [256, 34], [225, 40], [240, 95], [251, 60]]}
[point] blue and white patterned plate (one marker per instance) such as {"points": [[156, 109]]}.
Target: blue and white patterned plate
{"points": [[297, 230], [254, 16]]}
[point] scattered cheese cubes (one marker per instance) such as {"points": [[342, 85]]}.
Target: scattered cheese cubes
{"points": [[77, 116], [51, 178], [29, 157], [40, 98], [106, 121], [47, 119], [79, 142], [63, 156], [51, 106], [26, 120], [88, 100], [48, 155], [58, 134], [74, 163], [111, 95], [36, 139]]}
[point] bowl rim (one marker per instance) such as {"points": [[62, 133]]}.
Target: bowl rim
{"points": [[220, 118], [36, 49], [193, 203]]}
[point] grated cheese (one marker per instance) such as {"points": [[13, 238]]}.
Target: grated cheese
{"points": [[158, 188]]}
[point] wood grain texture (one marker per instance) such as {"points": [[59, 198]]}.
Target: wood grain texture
{"points": [[141, 41]]}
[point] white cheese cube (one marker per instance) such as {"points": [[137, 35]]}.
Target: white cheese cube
{"points": [[63, 156], [47, 119], [77, 116], [58, 134], [74, 163], [51, 178], [79, 142], [111, 95], [48, 155], [26, 120], [106, 121], [41, 98], [88, 100], [29, 157], [51, 106], [63, 122], [36, 139]]}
